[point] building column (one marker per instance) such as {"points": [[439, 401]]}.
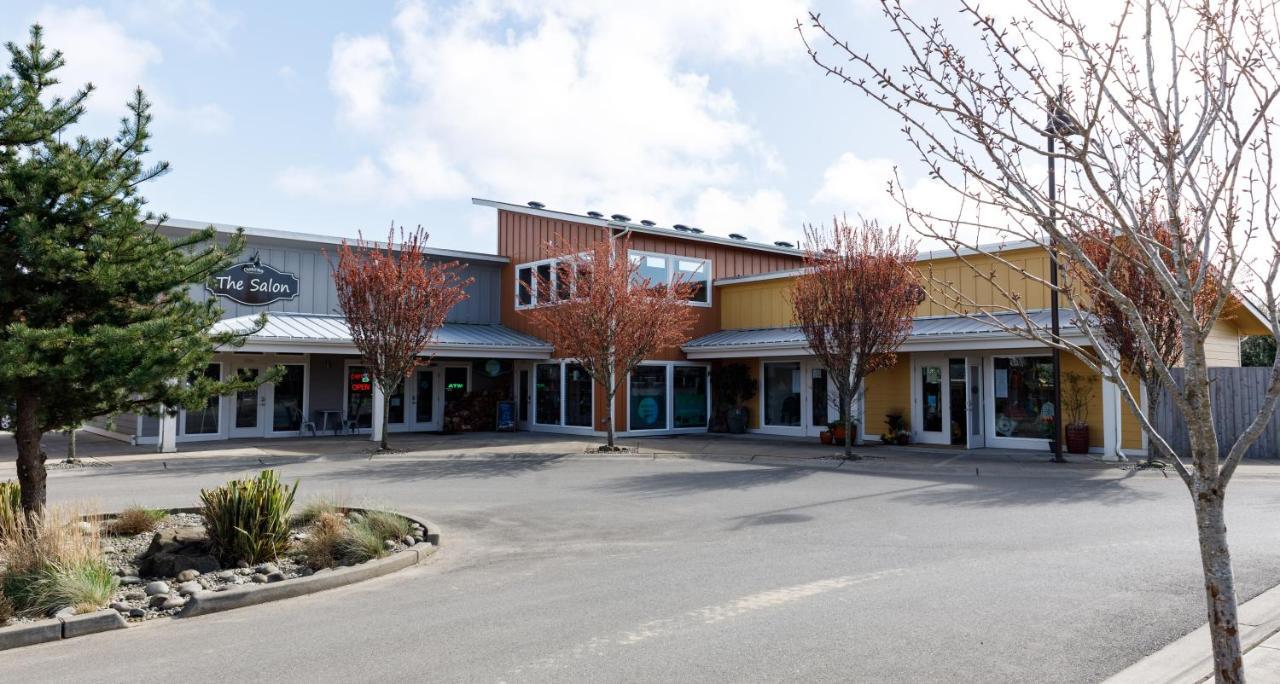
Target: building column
{"points": [[1111, 427], [375, 434], [168, 441]]}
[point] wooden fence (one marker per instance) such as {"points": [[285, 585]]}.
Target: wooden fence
{"points": [[1237, 394]]}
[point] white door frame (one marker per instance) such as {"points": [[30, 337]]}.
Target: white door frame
{"points": [[221, 432], [976, 395], [270, 391], [262, 391], [918, 363], [412, 397]]}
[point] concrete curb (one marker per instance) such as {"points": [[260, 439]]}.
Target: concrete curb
{"points": [[72, 626], [58, 628], [1189, 660], [206, 602]]}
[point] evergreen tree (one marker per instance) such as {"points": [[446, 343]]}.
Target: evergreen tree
{"points": [[1258, 350], [95, 316]]}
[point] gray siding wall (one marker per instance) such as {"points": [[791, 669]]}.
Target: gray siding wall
{"points": [[326, 381], [316, 292]]}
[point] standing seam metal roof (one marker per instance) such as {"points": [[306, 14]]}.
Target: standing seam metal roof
{"points": [[332, 329]]}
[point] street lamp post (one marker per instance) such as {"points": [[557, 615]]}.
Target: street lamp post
{"points": [[1059, 124]]}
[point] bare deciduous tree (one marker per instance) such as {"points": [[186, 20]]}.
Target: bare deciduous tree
{"points": [[855, 301], [394, 302], [1165, 98], [602, 314]]}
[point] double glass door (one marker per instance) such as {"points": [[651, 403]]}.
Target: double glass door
{"points": [[797, 398], [269, 408], [947, 400]]}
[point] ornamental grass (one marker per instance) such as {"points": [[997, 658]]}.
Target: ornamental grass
{"points": [[248, 520], [53, 563]]}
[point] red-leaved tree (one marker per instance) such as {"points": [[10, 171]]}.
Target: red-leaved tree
{"points": [[1114, 257], [610, 319], [394, 300], [854, 301]]}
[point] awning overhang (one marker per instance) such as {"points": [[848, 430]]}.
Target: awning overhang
{"points": [[291, 333], [934, 333]]}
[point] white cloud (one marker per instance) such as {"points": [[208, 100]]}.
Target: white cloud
{"points": [[193, 22], [761, 216], [98, 50], [360, 74], [577, 104]]}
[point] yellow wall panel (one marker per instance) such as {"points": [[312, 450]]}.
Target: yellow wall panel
{"points": [[1093, 412], [888, 391]]}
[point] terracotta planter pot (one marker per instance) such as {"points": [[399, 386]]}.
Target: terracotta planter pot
{"points": [[837, 435], [825, 437], [1077, 439]]}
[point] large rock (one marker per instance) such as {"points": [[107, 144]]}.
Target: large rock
{"points": [[175, 550]]}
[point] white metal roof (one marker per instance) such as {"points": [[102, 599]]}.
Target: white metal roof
{"points": [[328, 333], [923, 330], [271, 233]]}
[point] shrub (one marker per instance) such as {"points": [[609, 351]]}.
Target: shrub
{"points": [[10, 508], [54, 563], [137, 520], [85, 585], [387, 525], [324, 543], [6, 610], [362, 542], [314, 509], [248, 520]]}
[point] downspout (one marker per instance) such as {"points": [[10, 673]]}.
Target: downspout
{"points": [[613, 395]]}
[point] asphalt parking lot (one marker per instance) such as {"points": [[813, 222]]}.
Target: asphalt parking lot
{"points": [[564, 567]]}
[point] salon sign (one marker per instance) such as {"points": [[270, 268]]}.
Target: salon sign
{"points": [[254, 283]]}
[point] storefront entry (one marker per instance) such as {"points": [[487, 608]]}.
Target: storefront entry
{"points": [[947, 400], [418, 403], [796, 398]]}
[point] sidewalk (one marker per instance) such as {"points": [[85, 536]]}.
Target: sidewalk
{"points": [[1189, 660]]}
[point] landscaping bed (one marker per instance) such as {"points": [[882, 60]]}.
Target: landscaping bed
{"points": [[145, 563]]}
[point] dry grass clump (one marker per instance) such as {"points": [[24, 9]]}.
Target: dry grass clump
{"points": [[136, 520], [323, 546], [314, 508], [6, 610], [10, 506], [53, 563]]}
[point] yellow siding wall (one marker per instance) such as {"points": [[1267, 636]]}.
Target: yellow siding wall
{"points": [[1093, 412], [765, 304], [961, 282], [888, 391], [1222, 347], [1130, 428]]}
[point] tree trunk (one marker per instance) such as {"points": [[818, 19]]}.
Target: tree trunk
{"points": [[608, 418], [386, 417], [848, 427], [71, 445], [31, 471], [1219, 586], [1154, 389]]}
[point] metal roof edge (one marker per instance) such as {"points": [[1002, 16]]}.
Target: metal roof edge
{"points": [[277, 234], [636, 227]]}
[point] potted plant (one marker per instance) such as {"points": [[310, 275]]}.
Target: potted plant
{"points": [[825, 437], [732, 386], [837, 428], [898, 432], [1075, 404]]}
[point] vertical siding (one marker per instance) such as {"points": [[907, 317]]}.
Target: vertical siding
{"points": [[523, 238], [943, 277], [888, 391], [1093, 411], [1130, 426], [318, 295]]}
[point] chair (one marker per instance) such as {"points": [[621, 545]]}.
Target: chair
{"points": [[303, 425]]}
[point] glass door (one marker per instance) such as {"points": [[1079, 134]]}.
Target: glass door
{"points": [[524, 396], [781, 406], [424, 401], [931, 417], [288, 400], [249, 407], [977, 437]]}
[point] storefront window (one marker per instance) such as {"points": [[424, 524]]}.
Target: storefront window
{"points": [[690, 396], [455, 383], [648, 398], [931, 393], [577, 396], [547, 394], [1024, 396], [425, 395], [782, 394], [359, 396], [395, 408], [287, 408], [697, 273], [204, 421]]}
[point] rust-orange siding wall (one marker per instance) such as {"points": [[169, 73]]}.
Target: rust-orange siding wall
{"points": [[524, 238]]}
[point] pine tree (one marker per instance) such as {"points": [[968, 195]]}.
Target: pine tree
{"points": [[95, 316]]}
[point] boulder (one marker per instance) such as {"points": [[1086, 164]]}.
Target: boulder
{"points": [[259, 578], [177, 549], [188, 588], [155, 588], [188, 575]]}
